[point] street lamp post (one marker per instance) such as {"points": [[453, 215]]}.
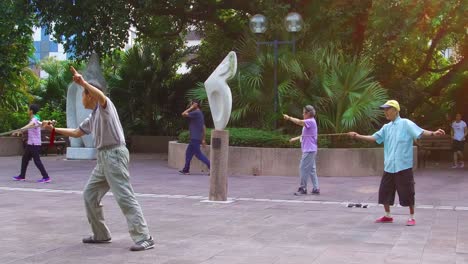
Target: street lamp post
{"points": [[258, 25]]}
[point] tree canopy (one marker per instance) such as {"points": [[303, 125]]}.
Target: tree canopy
{"points": [[417, 48], [16, 20]]}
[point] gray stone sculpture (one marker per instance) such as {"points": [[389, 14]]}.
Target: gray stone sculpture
{"points": [[218, 91], [82, 148]]}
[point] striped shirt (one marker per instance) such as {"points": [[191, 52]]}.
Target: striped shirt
{"points": [[34, 134]]}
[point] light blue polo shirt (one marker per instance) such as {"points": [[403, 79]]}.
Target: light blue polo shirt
{"points": [[398, 137]]}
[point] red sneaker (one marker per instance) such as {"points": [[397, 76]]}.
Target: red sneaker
{"points": [[411, 222], [384, 219]]}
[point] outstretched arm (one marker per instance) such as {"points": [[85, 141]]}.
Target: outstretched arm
{"points": [[28, 126], [69, 132], [93, 91], [295, 139], [296, 121], [438, 132], [361, 137]]}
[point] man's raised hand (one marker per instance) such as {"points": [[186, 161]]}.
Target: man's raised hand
{"points": [[77, 77]]}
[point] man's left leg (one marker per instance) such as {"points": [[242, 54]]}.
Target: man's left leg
{"points": [[189, 152], [386, 196], [313, 173], [405, 187], [117, 175], [460, 154], [200, 155], [35, 151]]}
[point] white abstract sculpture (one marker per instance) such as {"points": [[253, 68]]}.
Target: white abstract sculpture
{"points": [[82, 148], [218, 91]]}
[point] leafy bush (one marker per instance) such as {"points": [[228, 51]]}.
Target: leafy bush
{"points": [[12, 120], [250, 137], [48, 112], [346, 142]]}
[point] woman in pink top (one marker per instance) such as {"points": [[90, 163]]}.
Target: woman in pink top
{"points": [[309, 149], [33, 147]]}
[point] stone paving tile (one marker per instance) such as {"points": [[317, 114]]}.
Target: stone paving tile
{"points": [[240, 260], [462, 259], [441, 257], [402, 260], [276, 228]]}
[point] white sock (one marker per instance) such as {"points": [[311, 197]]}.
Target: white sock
{"points": [[411, 216], [388, 214]]}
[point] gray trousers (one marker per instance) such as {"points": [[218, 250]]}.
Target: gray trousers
{"points": [[111, 172], [308, 169]]}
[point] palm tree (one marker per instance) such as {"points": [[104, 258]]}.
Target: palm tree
{"points": [[342, 88], [345, 93], [141, 88], [53, 89], [14, 100], [252, 87]]}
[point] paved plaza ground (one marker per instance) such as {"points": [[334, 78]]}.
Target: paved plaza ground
{"points": [[266, 224]]}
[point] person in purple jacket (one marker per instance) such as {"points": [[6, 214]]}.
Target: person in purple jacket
{"points": [[309, 149], [33, 147]]}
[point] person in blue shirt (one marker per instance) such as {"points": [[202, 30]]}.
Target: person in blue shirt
{"points": [[197, 135], [398, 137]]}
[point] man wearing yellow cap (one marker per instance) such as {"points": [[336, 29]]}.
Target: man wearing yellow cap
{"points": [[398, 137]]}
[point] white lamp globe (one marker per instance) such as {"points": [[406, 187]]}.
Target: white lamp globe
{"points": [[258, 24], [293, 22]]}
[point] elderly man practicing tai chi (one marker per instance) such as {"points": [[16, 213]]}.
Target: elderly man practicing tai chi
{"points": [[111, 171], [398, 137]]}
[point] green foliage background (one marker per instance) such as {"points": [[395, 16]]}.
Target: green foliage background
{"points": [[351, 56]]}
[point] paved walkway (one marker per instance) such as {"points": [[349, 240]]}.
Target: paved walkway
{"points": [[44, 223]]}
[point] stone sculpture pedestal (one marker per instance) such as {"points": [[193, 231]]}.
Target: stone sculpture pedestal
{"points": [[219, 165], [74, 153]]}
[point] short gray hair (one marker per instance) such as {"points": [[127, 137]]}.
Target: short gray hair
{"points": [[309, 109]]}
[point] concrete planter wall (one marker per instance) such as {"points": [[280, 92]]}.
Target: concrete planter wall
{"points": [[11, 146], [149, 144], [285, 161]]}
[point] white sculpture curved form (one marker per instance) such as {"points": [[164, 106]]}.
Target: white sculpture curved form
{"points": [[76, 112], [218, 91]]}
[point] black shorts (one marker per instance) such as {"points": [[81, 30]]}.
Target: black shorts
{"points": [[401, 182], [458, 145]]}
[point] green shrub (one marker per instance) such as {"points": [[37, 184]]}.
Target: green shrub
{"points": [[346, 142], [12, 120], [48, 112], [250, 137]]}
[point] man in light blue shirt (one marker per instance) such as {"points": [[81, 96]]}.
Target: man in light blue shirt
{"points": [[398, 137]]}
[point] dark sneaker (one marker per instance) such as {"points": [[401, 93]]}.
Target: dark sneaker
{"points": [[19, 178], [182, 172], [44, 180], [301, 191], [143, 245], [315, 191], [91, 240]]}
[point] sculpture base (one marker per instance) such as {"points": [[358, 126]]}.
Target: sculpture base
{"points": [[81, 153], [219, 165]]}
